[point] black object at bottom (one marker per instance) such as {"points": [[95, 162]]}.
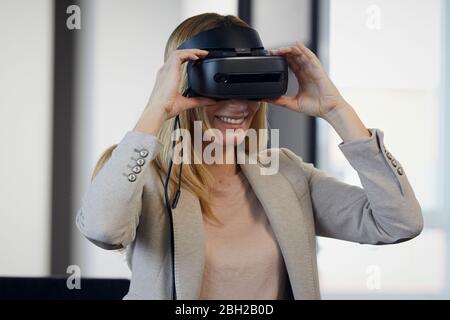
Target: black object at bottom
{"points": [[56, 288]]}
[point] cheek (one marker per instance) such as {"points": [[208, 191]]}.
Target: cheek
{"points": [[210, 113], [254, 110]]}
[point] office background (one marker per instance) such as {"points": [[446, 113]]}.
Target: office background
{"points": [[67, 95]]}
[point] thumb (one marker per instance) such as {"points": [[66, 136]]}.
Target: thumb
{"points": [[194, 102], [283, 101]]}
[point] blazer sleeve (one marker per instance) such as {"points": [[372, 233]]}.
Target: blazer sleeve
{"points": [[384, 211], [112, 204]]}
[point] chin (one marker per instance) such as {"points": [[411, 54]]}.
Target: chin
{"points": [[234, 139]]}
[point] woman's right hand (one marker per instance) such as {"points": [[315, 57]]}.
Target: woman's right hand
{"points": [[165, 101]]}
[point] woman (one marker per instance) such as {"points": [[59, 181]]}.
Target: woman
{"points": [[239, 234]]}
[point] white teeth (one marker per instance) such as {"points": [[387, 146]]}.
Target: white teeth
{"points": [[232, 121]]}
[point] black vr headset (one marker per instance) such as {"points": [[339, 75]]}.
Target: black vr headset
{"points": [[237, 66]]}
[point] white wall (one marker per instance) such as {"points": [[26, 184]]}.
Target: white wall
{"points": [[377, 60], [121, 48], [281, 23], [25, 135], [191, 8]]}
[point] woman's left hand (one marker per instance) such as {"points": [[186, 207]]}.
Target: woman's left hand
{"points": [[317, 95]]}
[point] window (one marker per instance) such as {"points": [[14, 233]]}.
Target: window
{"points": [[386, 59]]}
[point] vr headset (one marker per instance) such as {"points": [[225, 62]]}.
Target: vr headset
{"points": [[237, 66]]}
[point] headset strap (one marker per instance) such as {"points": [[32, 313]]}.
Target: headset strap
{"points": [[225, 38]]}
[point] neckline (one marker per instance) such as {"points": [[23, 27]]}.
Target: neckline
{"points": [[232, 180]]}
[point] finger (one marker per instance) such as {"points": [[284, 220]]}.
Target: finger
{"points": [[278, 51], [189, 54], [293, 65], [295, 59], [297, 66], [194, 51], [305, 66], [305, 56], [283, 101], [189, 103], [274, 52], [298, 55], [305, 50], [282, 51], [301, 56], [294, 50], [312, 62], [192, 57]]}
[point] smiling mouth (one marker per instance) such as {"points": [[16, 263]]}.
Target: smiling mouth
{"points": [[234, 121]]}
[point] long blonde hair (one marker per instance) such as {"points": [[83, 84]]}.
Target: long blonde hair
{"points": [[196, 177]]}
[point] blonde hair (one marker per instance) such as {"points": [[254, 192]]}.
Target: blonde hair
{"points": [[195, 177]]}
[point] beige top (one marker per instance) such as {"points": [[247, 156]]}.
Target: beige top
{"points": [[243, 259]]}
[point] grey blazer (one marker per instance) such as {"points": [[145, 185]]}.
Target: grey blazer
{"points": [[301, 202]]}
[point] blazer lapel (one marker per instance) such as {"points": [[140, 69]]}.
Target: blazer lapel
{"points": [[289, 225], [189, 246]]}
